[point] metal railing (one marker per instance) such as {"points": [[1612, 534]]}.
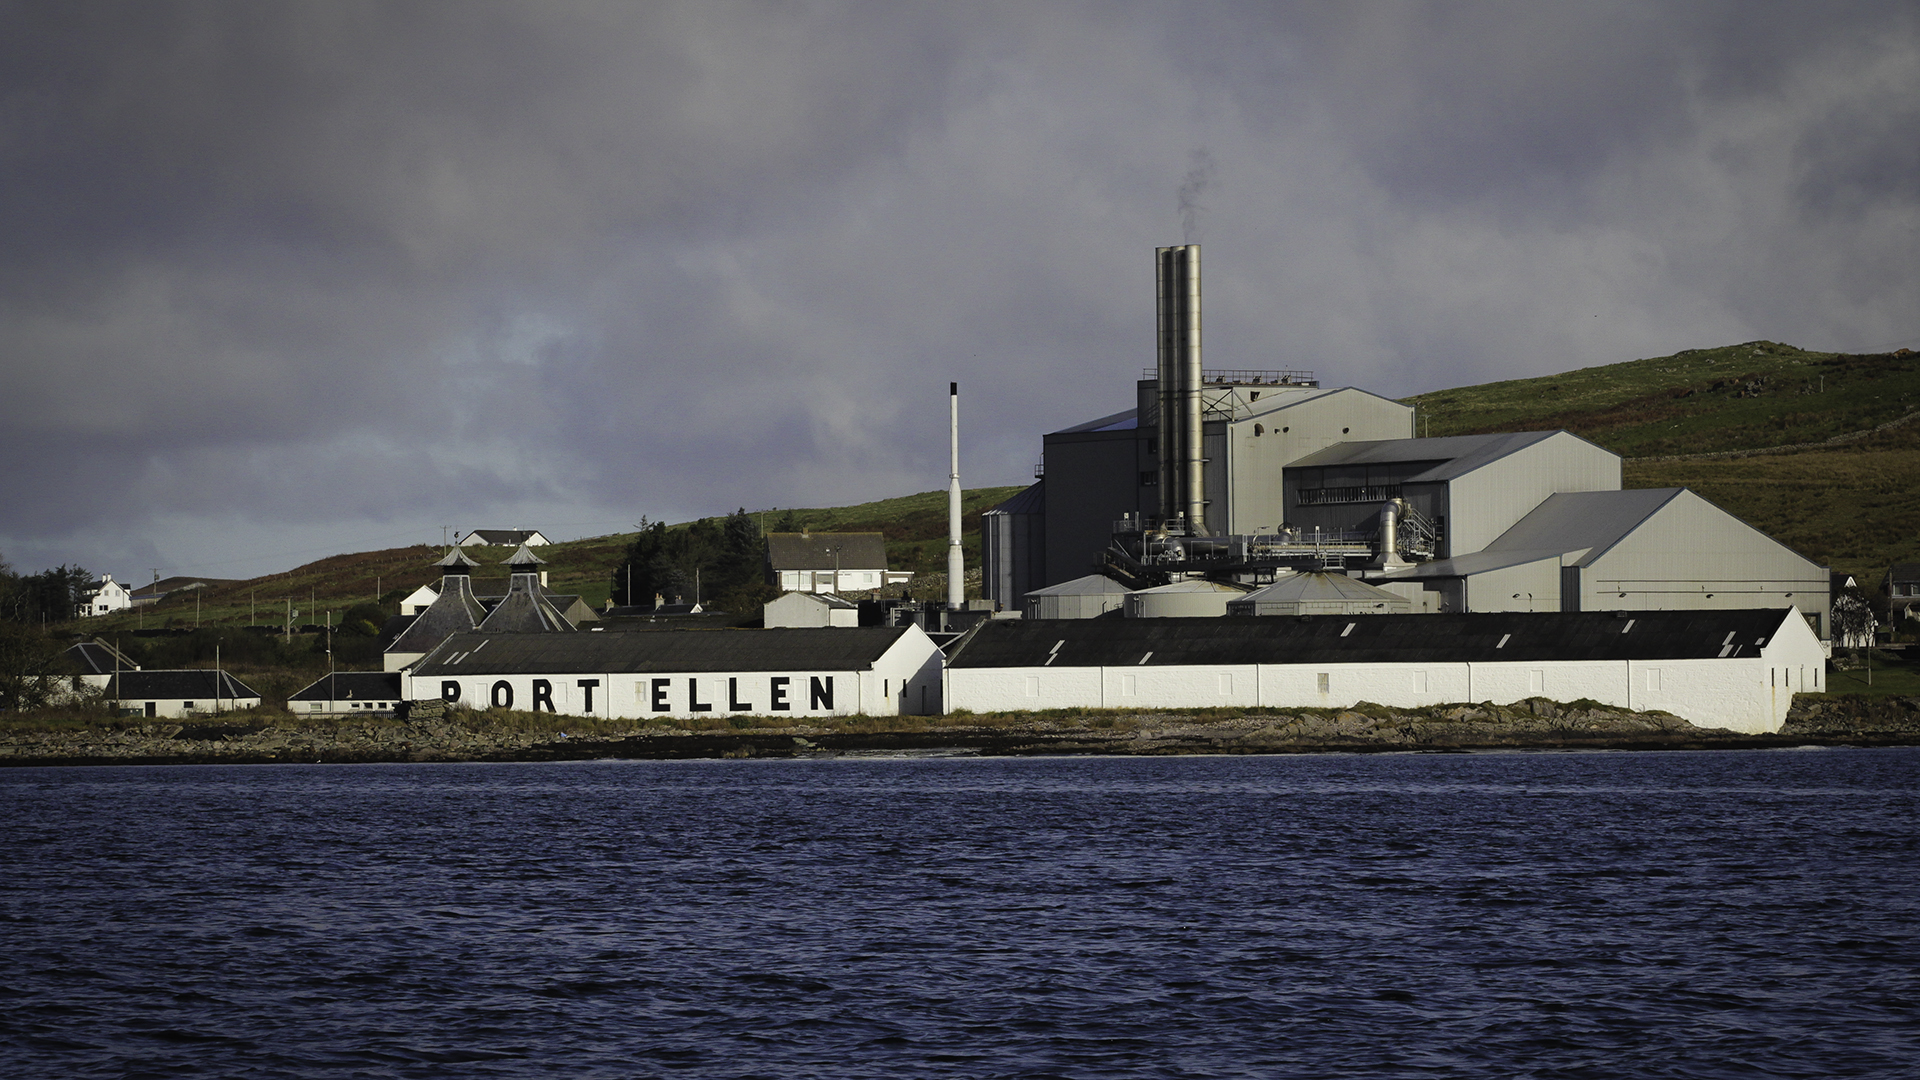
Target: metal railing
{"points": [[1337, 496], [1247, 377]]}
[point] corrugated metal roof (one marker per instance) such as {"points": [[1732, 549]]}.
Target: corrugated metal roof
{"points": [[1592, 521], [1091, 585], [1452, 456], [1317, 588], [1031, 500], [1119, 421], [357, 685], [816, 648], [815, 551], [1348, 639]]}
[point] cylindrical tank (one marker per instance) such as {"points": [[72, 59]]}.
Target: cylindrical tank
{"points": [[1192, 599]]}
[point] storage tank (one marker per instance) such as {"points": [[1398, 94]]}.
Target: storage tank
{"points": [[1194, 598], [1082, 598], [1320, 594]]}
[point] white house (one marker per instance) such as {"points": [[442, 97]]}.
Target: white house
{"points": [[104, 597], [830, 562], [177, 695], [818, 672], [1726, 669]]}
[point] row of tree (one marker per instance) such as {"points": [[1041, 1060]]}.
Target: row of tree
{"points": [[718, 562], [50, 596]]}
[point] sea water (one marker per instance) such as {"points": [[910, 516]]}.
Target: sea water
{"points": [[1720, 914]]}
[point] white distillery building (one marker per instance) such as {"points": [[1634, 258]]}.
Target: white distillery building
{"points": [[1736, 670], [817, 672]]}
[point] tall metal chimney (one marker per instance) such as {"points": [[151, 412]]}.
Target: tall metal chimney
{"points": [[1182, 429], [956, 562]]}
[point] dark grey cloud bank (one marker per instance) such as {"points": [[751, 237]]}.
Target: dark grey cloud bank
{"points": [[280, 280]]}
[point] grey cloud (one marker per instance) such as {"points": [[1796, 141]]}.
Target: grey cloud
{"points": [[359, 270]]}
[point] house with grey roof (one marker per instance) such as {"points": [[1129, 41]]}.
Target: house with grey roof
{"points": [[832, 562], [179, 694]]}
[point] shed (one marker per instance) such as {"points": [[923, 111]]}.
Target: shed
{"points": [[810, 609]]}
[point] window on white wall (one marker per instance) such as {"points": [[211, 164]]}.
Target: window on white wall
{"points": [[1653, 678], [1536, 682], [1326, 683], [1419, 682], [1226, 683], [1033, 686], [1126, 686]]}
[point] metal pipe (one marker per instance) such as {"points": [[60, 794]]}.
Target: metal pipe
{"points": [[1165, 386], [1193, 430], [956, 561]]}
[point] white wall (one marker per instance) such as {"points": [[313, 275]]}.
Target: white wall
{"points": [[1739, 694]]}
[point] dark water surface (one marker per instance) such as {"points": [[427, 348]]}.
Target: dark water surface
{"points": [[1725, 914]]}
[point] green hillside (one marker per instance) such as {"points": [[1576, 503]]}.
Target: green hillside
{"points": [[915, 527], [1819, 450]]}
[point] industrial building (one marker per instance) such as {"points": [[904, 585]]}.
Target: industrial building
{"points": [[1736, 670], [1247, 479]]}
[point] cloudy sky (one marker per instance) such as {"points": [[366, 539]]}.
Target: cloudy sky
{"points": [[279, 281]]}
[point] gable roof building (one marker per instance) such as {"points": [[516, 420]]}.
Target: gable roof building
{"points": [[1729, 669], [832, 562], [817, 671]]}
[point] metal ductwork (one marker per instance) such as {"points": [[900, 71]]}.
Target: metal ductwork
{"points": [[1182, 460]]}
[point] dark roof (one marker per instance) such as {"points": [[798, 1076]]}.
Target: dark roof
{"points": [[358, 685], [99, 658], [1449, 457], [1906, 571], [502, 536], [814, 551], [1120, 421], [1031, 500], [525, 610], [784, 649], [194, 685], [454, 610], [1337, 639]]}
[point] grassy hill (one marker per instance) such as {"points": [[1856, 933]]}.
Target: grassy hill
{"points": [[1818, 450], [915, 527]]}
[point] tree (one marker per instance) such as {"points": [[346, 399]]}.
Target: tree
{"points": [[28, 665], [1853, 623]]}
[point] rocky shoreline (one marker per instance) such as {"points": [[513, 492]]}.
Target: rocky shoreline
{"points": [[1530, 725]]}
